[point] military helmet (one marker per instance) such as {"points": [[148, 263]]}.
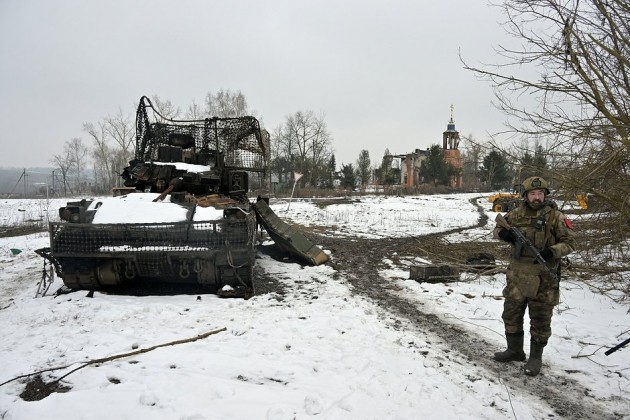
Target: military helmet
{"points": [[534, 183]]}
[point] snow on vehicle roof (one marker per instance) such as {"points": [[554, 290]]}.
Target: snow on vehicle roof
{"points": [[140, 208], [188, 167]]}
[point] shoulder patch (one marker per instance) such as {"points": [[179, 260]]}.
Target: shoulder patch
{"points": [[568, 223]]}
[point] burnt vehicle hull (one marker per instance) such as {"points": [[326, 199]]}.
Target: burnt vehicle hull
{"points": [[182, 217], [209, 253]]}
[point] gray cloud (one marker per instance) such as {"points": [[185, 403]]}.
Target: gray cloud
{"points": [[384, 74]]}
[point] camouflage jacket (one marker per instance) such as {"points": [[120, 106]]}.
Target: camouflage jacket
{"points": [[546, 227]]}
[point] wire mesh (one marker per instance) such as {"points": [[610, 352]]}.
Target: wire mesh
{"points": [[238, 140], [70, 239]]}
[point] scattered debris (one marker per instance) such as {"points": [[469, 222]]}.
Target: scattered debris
{"points": [[430, 273], [481, 262]]}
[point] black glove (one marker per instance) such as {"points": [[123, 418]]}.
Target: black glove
{"points": [[507, 235], [547, 254]]}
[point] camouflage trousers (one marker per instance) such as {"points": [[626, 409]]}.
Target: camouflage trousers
{"points": [[539, 318], [529, 287]]}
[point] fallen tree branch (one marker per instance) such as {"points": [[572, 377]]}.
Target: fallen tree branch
{"points": [[114, 357], [598, 269]]}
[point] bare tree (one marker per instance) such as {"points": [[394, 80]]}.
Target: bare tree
{"points": [[472, 162], [304, 141], [120, 128], [321, 151], [226, 104], [63, 162], [573, 60], [100, 170], [101, 155], [110, 159], [194, 112], [281, 155], [76, 151], [567, 85], [165, 108]]}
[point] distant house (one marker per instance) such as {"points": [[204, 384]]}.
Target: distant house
{"points": [[410, 167]]}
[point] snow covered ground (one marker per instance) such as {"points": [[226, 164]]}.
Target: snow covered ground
{"points": [[332, 357]]}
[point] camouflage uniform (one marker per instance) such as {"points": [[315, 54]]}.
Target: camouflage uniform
{"points": [[529, 284]]}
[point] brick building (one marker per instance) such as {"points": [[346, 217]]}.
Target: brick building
{"points": [[410, 163]]}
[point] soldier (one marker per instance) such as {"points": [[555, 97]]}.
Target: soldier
{"points": [[529, 285]]}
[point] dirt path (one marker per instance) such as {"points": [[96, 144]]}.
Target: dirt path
{"points": [[357, 260]]}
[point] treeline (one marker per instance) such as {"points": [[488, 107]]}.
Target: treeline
{"points": [[564, 91], [301, 144]]}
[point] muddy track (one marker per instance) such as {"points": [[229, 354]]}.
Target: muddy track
{"points": [[357, 261]]}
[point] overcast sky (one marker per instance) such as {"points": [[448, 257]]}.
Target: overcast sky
{"points": [[383, 73]]}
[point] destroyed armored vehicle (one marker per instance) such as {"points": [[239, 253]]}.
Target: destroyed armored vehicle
{"points": [[182, 217]]}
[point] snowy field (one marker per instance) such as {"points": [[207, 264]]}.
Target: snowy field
{"points": [[333, 357]]}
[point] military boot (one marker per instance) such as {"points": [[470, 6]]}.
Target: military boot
{"points": [[514, 352], [533, 365]]}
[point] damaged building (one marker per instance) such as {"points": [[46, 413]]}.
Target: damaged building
{"points": [[410, 163]]}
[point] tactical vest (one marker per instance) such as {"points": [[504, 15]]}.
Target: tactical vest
{"points": [[536, 225]]}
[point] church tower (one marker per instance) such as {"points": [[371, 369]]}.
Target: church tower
{"points": [[450, 144], [450, 138]]}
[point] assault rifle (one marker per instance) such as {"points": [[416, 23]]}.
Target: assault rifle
{"points": [[523, 242]]}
